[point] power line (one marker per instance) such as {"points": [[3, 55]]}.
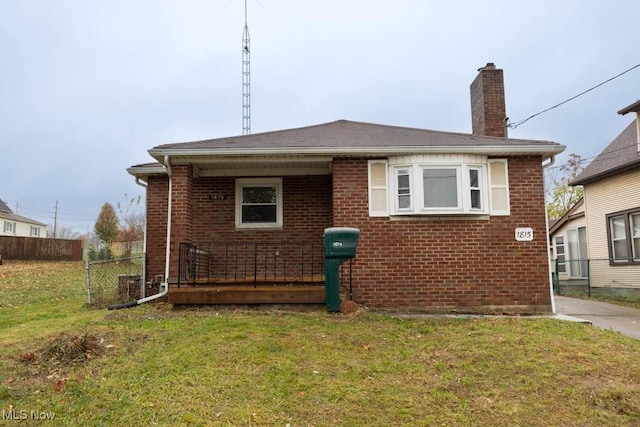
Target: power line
{"points": [[603, 156], [521, 122]]}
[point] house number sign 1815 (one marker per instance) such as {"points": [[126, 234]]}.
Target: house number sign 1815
{"points": [[524, 234]]}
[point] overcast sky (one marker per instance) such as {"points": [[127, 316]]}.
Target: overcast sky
{"points": [[88, 87]]}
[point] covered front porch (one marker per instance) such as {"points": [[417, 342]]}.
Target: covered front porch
{"points": [[245, 272]]}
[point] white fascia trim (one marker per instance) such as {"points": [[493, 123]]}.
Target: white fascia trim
{"points": [[489, 150], [140, 171]]}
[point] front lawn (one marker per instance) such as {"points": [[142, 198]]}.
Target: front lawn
{"points": [[157, 365]]}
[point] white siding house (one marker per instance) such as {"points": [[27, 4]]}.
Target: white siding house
{"points": [[19, 226], [612, 211], [569, 245]]}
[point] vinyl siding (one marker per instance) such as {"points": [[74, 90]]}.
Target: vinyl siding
{"points": [[610, 195]]}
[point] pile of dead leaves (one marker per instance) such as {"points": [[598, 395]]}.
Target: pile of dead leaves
{"points": [[66, 349]]}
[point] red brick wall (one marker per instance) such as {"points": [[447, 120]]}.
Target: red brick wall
{"points": [[306, 210], [157, 189], [453, 263], [204, 212]]}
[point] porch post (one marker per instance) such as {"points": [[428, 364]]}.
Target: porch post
{"points": [[181, 212]]}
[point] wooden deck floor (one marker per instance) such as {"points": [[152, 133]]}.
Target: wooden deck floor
{"points": [[247, 294]]}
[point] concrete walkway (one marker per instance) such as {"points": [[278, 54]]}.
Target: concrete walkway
{"points": [[601, 314]]}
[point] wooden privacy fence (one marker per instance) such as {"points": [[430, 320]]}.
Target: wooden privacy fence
{"points": [[34, 248]]}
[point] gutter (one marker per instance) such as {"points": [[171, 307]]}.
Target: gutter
{"points": [[164, 286], [527, 149]]}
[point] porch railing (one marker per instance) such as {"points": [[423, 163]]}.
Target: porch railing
{"points": [[251, 262], [193, 263]]}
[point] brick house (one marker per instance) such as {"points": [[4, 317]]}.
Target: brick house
{"points": [[438, 213]]}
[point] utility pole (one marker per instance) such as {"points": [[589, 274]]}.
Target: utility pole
{"points": [[55, 220]]}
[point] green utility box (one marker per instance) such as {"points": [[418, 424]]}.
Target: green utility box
{"points": [[340, 244]]}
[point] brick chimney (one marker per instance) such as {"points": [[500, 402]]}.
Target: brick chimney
{"points": [[488, 112]]}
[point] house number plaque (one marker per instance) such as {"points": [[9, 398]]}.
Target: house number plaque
{"points": [[217, 197], [524, 234]]}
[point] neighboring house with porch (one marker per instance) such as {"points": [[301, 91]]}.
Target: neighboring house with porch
{"points": [[19, 226], [448, 221], [568, 245], [611, 185]]}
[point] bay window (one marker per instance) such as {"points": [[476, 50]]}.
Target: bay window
{"points": [[439, 185]]}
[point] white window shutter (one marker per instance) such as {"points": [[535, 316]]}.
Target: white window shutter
{"points": [[378, 188], [499, 187]]}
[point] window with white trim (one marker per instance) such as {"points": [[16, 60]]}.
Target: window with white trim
{"points": [[34, 231], [403, 186], [259, 203], [438, 184]]}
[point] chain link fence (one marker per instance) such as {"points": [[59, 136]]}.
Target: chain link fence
{"points": [[115, 281], [602, 276]]}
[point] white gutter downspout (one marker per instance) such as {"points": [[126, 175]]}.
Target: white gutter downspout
{"points": [[143, 286], [552, 160], [164, 286]]}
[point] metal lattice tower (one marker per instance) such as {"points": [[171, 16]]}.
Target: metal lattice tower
{"points": [[246, 77]]}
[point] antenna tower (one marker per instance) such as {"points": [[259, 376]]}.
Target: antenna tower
{"points": [[246, 77]]}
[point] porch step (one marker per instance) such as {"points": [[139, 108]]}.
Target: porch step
{"points": [[247, 295]]}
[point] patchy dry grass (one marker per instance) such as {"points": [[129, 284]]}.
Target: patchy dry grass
{"points": [[627, 301], [156, 365]]}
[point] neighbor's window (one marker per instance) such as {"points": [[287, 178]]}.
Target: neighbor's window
{"points": [[560, 256], [259, 203], [35, 231], [577, 252], [8, 227], [623, 233]]}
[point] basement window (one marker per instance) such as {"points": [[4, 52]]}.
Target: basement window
{"points": [[259, 203]]}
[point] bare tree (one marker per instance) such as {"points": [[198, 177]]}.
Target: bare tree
{"points": [[132, 224], [562, 196]]}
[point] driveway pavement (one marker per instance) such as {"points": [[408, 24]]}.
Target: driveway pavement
{"points": [[601, 314]]}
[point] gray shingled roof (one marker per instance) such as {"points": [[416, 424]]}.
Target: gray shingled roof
{"points": [[619, 156], [7, 213], [4, 207], [348, 134]]}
